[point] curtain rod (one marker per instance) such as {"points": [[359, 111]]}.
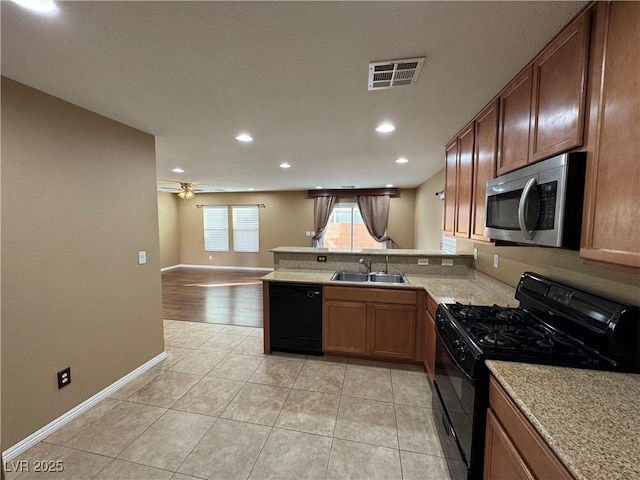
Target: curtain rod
{"points": [[352, 192], [259, 205]]}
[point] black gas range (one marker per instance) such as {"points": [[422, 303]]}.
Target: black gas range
{"points": [[554, 324]]}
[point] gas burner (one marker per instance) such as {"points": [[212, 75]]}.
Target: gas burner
{"points": [[468, 312], [556, 345], [494, 339], [510, 315]]}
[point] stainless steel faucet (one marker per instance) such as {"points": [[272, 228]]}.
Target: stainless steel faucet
{"points": [[386, 264], [367, 265]]}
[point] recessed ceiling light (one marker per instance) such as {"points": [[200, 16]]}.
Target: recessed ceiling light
{"points": [[40, 6], [389, 185], [318, 187], [402, 160], [385, 128], [243, 137], [285, 165], [177, 170], [250, 189]]}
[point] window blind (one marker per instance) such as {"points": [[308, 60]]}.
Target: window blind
{"points": [[246, 229], [216, 229]]}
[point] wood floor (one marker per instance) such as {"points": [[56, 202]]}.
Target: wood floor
{"points": [[231, 297]]}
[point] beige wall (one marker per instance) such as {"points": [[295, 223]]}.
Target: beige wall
{"points": [[284, 221], [168, 227], [428, 218], [78, 202]]}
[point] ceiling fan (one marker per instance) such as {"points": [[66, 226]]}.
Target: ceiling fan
{"points": [[185, 190]]}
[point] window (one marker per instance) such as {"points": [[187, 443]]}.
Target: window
{"points": [[216, 229], [246, 231], [245, 226], [347, 231]]}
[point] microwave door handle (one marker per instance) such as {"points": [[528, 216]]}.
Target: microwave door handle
{"points": [[522, 214]]}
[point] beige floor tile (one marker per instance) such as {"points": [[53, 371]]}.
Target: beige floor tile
{"points": [[207, 327], [311, 412], [416, 430], [121, 470], [180, 476], [281, 372], [198, 361], [221, 342], [352, 460], [257, 332], [367, 421], [236, 367], [116, 429], [167, 442], [174, 354], [72, 428], [228, 451], [369, 382], [210, 396], [295, 455], [136, 384], [321, 376], [250, 346], [67, 463], [257, 404], [237, 330], [187, 339], [165, 389], [411, 388], [416, 466]]}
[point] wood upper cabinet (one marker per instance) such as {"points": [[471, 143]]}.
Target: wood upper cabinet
{"points": [[611, 221], [484, 165], [515, 115], [458, 184], [465, 182], [450, 190], [559, 91], [373, 322], [513, 447]]}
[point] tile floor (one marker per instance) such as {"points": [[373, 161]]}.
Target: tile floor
{"points": [[219, 408]]}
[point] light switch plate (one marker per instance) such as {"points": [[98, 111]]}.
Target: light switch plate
{"points": [[495, 261], [142, 258]]}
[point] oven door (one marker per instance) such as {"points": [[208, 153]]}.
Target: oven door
{"points": [[454, 407]]}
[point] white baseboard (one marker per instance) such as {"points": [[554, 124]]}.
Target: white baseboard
{"points": [[172, 267], [221, 267], [22, 446]]}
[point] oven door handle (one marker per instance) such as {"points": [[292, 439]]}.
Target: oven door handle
{"points": [[522, 209]]}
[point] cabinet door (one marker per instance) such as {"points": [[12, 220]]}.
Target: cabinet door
{"points": [[515, 115], [484, 165], [450, 183], [430, 347], [559, 90], [465, 182], [611, 222], [344, 327], [391, 331], [501, 458]]}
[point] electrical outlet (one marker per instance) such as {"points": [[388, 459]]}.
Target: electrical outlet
{"points": [[423, 261], [142, 258], [495, 261], [210, 257], [322, 258], [475, 253], [64, 377], [447, 262]]}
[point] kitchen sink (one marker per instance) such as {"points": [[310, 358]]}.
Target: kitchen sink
{"points": [[378, 277]]}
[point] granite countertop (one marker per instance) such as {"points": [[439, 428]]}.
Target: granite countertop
{"points": [[392, 252], [589, 418], [474, 288]]}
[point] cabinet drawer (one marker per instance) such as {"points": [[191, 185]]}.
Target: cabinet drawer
{"points": [[532, 447], [367, 294], [432, 306]]}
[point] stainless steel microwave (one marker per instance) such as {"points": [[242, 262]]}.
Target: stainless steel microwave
{"points": [[540, 204]]}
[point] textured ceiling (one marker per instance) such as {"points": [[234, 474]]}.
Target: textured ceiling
{"points": [[292, 74]]}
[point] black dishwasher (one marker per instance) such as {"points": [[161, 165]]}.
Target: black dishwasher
{"points": [[295, 317]]}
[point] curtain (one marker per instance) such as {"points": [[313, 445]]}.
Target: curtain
{"points": [[375, 214], [322, 208]]}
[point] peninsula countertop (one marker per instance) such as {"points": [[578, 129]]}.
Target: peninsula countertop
{"points": [[589, 418], [474, 288]]}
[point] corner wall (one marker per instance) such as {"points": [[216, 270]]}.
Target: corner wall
{"points": [[78, 203], [168, 227], [428, 218]]}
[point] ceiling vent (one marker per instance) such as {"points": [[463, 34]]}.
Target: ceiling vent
{"points": [[394, 73]]}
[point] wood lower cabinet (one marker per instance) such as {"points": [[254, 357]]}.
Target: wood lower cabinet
{"points": [[430, 339], [611, 221], [381, 323], [513, 448], [515, 115]]}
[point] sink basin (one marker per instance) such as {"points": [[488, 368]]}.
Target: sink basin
{"points": [[378, 277]]}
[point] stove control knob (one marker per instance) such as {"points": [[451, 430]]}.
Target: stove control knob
{"points": [[440, 323], [462, 352]]}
